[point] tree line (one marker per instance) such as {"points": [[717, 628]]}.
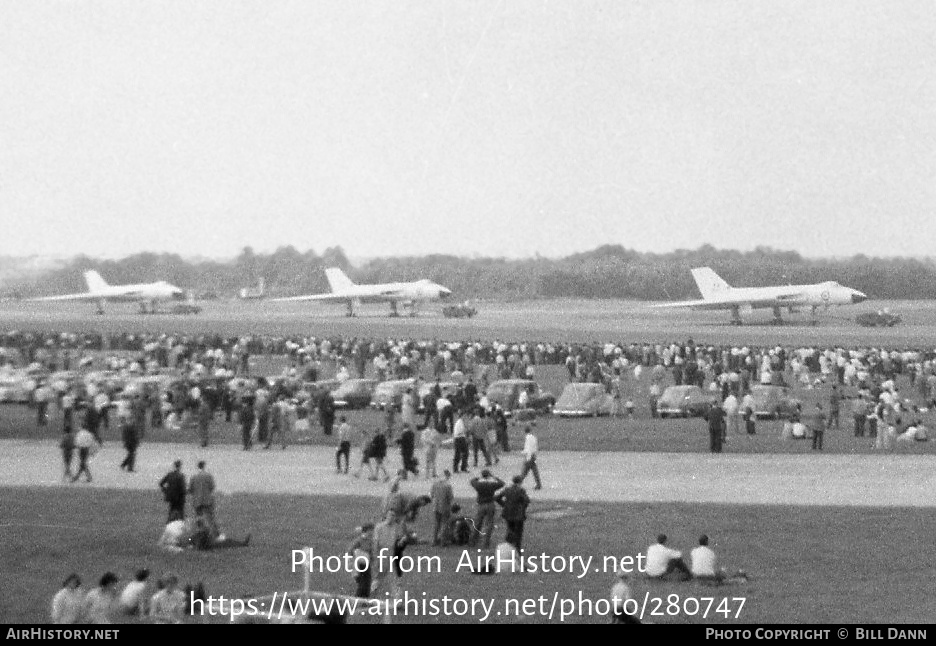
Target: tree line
{"points": [[610, 271]]}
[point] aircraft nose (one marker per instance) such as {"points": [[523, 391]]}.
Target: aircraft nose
{"points": [[858, 297], [444, 293]]}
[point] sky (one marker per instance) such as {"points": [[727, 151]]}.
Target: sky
{"points": [[480, 128]]}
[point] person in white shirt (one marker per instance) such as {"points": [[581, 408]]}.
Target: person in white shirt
{"points": [[101, 602], [175, 536], [530, 450], [663, 560], [169, 604], [134, 595], [460, 442], [68, 602], [704, 565], [732, 418]]}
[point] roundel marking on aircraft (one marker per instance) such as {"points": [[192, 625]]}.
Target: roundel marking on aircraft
{"points": [[825, 296]]}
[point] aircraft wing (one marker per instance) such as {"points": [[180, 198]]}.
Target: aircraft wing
{"points": [[779, 300], [84, 296], [327, 298]]}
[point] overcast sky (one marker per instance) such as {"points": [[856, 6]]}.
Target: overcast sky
{"points": [[485, 127]]}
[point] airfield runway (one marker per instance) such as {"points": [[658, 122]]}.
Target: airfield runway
{"points": [[845, 480], [546, 320]]}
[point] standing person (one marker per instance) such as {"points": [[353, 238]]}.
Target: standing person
{"points": [[204, 419], [500, 424], [716, 425], [262, 414], [202, 487], [445, 413], [835, 407], [817, 425], [477, 429], [530, 451], [732, 416], [378, 452], [654, 399], [859, 413], [514, 501], [326, 409], [130, 436], [68, 602], [84, 441], [431, 441], [443, 497], [366, 440], [246, 417], [344, 445], [460, 441], [407, 442], [172, 486], [486, 487], [67, 445]]}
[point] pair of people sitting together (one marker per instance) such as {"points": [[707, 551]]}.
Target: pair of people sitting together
{"points": [[664, 562]]}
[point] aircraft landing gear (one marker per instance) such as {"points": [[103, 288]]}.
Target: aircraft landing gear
{"points": [[393, 309], [736, 316], [813, 319], [350, 312]]}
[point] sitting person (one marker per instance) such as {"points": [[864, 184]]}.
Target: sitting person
{"points": [[202, 538], [663, 561], [169, 604], [133, 599], [704, 565], [459, 526], [195, 533], [175, 536]]}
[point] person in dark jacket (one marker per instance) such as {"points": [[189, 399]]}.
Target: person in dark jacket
{"points": [[716, 425], [246, 418], [514, 502], [130, 435], [173, 488], [407, 442], [326, 409], [486, 487]]}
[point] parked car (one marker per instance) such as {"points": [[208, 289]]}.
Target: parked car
{"points": [[684, 401], [773, 401], [878, 319], [584, 400], [506, 394], [354, 393], [390, 393], [16, 386], [316, 389]]}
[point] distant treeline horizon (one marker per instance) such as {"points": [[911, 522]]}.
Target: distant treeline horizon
{"points": [[609, 271]]}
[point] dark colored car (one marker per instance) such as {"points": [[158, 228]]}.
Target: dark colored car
{"points": [[354, 393], [684, 401], [773, 401], [584, 400], [878, 319], [461, 311], [506, 394]]}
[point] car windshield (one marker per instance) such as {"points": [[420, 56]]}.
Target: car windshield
{"points": [[500, 390]]}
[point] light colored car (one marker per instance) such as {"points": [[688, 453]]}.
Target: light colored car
{"points": [[684, 401], [773, 401], [389, 393], [583, 400], [16, 386], [506, 394], [354, 393]]}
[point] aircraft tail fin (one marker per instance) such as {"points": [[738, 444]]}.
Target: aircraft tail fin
{"points": [[337, 280], [94, 281], [710, 284]]}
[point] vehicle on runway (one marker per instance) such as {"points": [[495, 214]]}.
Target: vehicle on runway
{"points": [[719, 295], [354, 393], [584, 400], [247, 293], [460, 311], [147, 295], [343, 290], [684, 401], [774, 402], [881, 318]]}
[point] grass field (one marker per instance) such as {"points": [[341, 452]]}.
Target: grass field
{"points": [[818, 564]]}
